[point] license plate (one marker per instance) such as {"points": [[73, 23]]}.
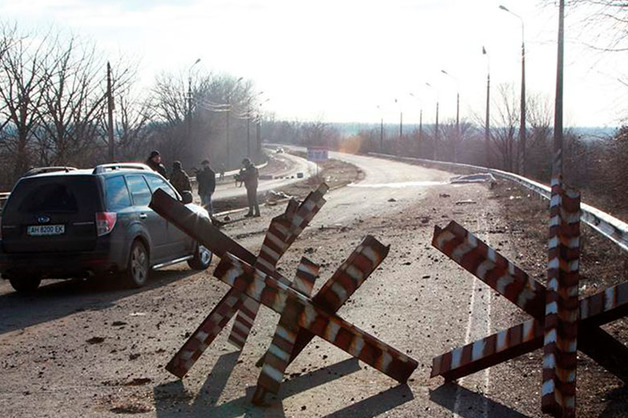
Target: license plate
{"points": [[45, 230]]}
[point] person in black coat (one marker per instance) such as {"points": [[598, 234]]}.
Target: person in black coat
{"points": [[206, 179], [154, 162]]}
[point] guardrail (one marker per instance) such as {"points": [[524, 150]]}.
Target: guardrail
{"points": [[607, 225]]}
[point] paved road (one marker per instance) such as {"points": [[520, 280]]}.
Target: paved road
{"points": [[284, 171], [417, 301]]}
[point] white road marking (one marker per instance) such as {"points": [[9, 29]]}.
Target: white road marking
{"points": [[473, 325]]}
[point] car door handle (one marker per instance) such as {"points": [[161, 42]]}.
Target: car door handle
{"points": [[143, 216]]}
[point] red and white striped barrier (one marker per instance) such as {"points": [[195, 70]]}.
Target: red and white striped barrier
{"points": [[254, 282], [561, 323]]}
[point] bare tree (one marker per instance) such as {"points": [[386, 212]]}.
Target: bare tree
{"points": [[23, 80], [505, 119]]}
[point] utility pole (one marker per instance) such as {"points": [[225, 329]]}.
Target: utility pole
{"points": [[557, 165], [420, 132], [110, 106], [487, 125], [248, 132]]}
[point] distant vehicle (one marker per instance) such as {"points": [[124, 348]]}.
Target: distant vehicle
{"points": [[280, 150], [63, 223]]}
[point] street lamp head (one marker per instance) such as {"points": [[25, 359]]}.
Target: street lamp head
{"points": [[197, 61], [501, 6], [444, 72], [484, 51]]}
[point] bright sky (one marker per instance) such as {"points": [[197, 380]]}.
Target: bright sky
{"points": [[337, 60]]}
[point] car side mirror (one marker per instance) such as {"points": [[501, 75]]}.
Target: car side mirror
{"points": [[186, 197]]}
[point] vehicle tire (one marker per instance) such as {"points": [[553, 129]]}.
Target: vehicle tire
{"points": [[138, 268], [25, 284], [202, 258]]}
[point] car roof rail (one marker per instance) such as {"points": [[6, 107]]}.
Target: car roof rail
{"points": [[41, 170], [102, 168]]}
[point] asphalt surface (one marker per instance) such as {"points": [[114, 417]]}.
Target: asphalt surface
{"points": [[93, 349], [284, 171]]}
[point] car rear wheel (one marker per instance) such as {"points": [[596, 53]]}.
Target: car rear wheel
{"points": [[202, 258], [138, 268], [25, 284]]}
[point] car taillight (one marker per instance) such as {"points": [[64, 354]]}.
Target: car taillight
{"points": [[105, 221]]}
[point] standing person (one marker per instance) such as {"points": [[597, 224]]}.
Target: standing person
{"points": [[179, 178], [154, 162], [206, 179], [250, 175]]}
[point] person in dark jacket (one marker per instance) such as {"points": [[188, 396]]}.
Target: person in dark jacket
{"points": [[179, 178], [154, 162], [206, 179], [249, 175]]}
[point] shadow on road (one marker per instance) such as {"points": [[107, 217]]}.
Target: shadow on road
{"points": [[65, 297], [470, 404], [173, 400]]}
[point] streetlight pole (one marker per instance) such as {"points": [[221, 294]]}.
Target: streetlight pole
{"points": [[436, 124], [420, 125], [189, 124], [457, 114], [381, 130], [522, 127], [487, 126], [228, 113], [400, 127]]}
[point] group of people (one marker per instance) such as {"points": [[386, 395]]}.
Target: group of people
{"points": [[206, 180]]}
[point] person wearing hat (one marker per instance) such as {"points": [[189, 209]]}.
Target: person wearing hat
{"points": [[249, 175], [154, 162], [179, 178], [206, 179]]}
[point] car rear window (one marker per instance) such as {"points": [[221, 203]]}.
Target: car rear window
{"points": [[117, 194], [62, 194]]}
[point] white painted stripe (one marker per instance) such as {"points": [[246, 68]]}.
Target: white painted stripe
{"points": [[266, 264], [285, 333], [307, 316], [357, 344], [257, 287], [278, 352], [550, 337], [456, 357], [279, 304], [201, 336], [282, 229], [461, 250], [332, 330], [501, 341], [548, 387], [553, 242], [444, 238], [554, 263], [551, 308], [373, 256], [528, 330], [355, 274], [478, 350], [273, 373], [503, 282], [275, 240], [384, 360], [484, 268], [340, 291], [242, 327], [250, 304], [272, 254], [554, 221], [549, 361], [492, 255]]}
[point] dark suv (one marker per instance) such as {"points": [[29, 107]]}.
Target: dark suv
{"points": [[62, 222]]}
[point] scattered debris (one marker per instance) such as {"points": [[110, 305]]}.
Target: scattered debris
{"points": [[118, 323], [466, 202], [95, 340], [474, 178], [392, 199], [444, 195], [139, 381]]}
